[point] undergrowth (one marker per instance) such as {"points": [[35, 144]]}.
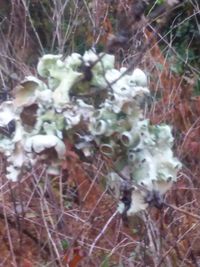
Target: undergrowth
{"points": [[70, 219]]}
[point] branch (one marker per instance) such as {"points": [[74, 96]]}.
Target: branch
{"points": [[195, 216]]}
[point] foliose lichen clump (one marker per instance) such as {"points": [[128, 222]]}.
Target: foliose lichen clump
{"points": [[88, 101]]}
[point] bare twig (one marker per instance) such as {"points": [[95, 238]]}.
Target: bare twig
{"points": [[195, 216], [102, 232]]}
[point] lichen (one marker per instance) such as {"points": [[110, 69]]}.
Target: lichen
{"points": [[48, 110]]}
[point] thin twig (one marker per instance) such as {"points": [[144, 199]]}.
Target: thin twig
{"points": [[102, 232], [195, 216]]}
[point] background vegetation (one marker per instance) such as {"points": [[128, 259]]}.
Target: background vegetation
{"points": [[67, 221]]}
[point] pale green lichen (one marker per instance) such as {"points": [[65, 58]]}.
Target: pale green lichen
{"points": [[39, 143], [7, 113], [30, 91], [47, 64], [46, 112]]}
